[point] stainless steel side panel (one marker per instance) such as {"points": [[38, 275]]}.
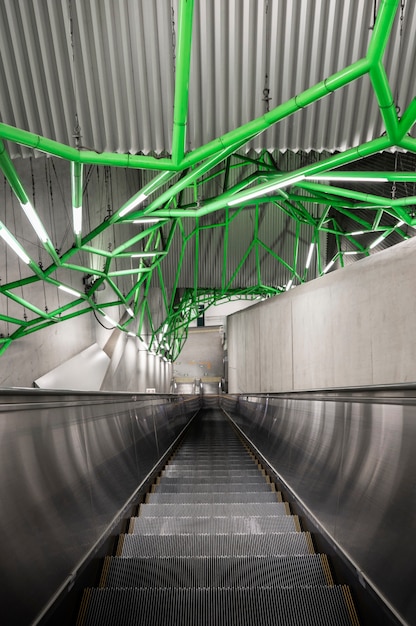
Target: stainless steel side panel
{"points": [[353, 464], [68, 464]]}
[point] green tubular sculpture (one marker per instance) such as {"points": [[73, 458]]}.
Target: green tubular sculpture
{"points": [[193, 195]]}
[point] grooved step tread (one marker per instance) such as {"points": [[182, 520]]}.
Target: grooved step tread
{"points": [[203, 510], [313, 606], [270, 544], [214, 525], [215, 572], [205, 489], [249, 497]]}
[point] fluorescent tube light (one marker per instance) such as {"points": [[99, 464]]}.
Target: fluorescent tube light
{"points": [[376, 242], [290, 283], [33, 218], [77, 219], [14, 244], [399, 223], [310, 253], [130, 311], [351, 252], [328, 267], [132, 204], [352, 179], [149, 220], [109, 319], [73, 292], [130, 334], [262, 192], [357, 232], [143, 255]]}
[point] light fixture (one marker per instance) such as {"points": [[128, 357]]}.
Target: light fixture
{"points": [[130, 334], [13, 243], [357, 232], [310, 253], [149, 220], [109, 319], [352, 179], [69, 290], [144, 255], [265, 190], [376, 242], [132, 204], [33, 218], [130, 311], [77, 219], [328, 267], [399, 223], [289, 284], [351, 252]]}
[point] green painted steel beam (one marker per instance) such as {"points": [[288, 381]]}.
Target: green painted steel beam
{"points": [[183, 65], [90, 157]]}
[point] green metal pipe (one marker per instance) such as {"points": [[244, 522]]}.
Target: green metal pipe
{"points": [[25, 304], [390, 175], [408, 119], [54, 148], [11, 175], [189, 178], [292, 270], [381, 31], [142, 194], [183, 65], [12, 320], [196, 263], [385, 100], [6, 343], [408, 143], [76, 184], [357, 195], [258, 125], [344, 158]]}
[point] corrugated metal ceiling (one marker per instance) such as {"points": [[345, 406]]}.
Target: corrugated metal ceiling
{"points": [[112, 65]]}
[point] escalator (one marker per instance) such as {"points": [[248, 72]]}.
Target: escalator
{"points": [[215, 544]]}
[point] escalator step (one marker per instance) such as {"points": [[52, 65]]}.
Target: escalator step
{"points": [[211, 473], [204, 510], [215, 525], [314, 606], [207, 488], [255, 479], [207, 498], [271, 544], [215, 572]]}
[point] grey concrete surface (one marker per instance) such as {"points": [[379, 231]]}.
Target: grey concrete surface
{"points": [[355, 326], [202, 354]]}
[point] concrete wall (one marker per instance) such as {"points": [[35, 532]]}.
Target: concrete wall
{"points": [[202, 354], [352, 327]]}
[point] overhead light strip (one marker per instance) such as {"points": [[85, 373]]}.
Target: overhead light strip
{"points": [[33, 218], [352, 179], [14, 244], [71, 291], [261, 192], [132, 204]]}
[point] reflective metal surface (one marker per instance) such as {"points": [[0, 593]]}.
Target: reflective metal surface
{"points": [[352, 462], [68, 464]]}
